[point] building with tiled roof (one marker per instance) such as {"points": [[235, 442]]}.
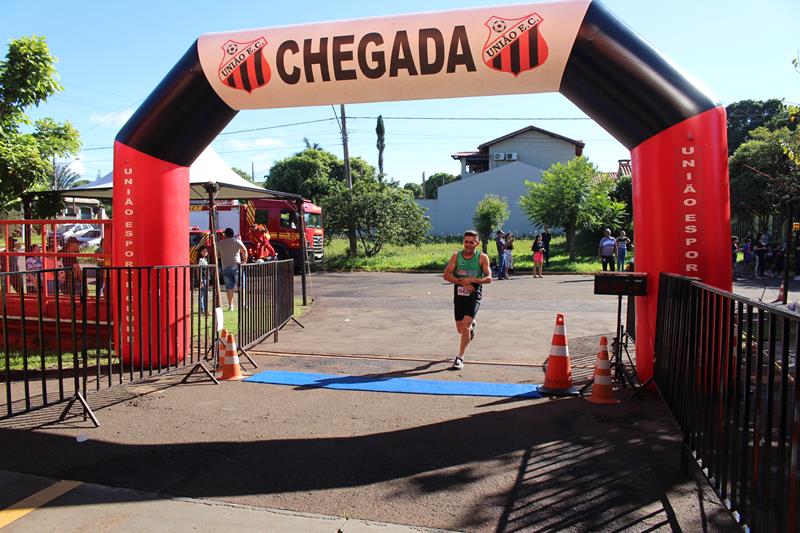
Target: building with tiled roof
{"points": [[500, 166]]}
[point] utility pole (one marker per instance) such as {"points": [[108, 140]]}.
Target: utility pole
{"points": [[253, 171], [348, 178]]}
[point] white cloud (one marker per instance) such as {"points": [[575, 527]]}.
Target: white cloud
{"points": [[116, 119]]}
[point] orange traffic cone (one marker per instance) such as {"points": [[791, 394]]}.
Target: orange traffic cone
{"points": [[231, 371], [780, 295], [223, 341], [558, 378], [602, 391]]}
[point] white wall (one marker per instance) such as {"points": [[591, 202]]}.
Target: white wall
{"points": [[452, 213]]}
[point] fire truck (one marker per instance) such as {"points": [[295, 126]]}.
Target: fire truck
{"points": [[280, 218]]}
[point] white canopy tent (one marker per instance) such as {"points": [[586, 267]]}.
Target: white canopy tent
{"points": [[208, 172], [210, 179]]}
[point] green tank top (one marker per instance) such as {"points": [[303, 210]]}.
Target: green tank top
{"points": [[469, 268]]}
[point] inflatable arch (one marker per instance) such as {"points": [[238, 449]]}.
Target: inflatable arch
{"points": [[675, 130]]}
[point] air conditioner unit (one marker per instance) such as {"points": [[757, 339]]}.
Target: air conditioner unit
{"points": [[499, 156], [511, 156]]}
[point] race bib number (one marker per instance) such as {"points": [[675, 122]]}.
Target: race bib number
{"points": [[463, 291]]}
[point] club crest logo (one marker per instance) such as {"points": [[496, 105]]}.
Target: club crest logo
{"points": [[243, 65], [514, 45]]}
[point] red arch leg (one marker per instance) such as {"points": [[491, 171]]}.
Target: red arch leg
{"points": [[151, 222], [681, 214]]}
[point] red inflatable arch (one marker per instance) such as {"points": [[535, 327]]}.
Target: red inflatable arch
{"points": [[675, 130]]}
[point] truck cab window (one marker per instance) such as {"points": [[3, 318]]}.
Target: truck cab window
{"points": [[262, 217], [288, 219]]}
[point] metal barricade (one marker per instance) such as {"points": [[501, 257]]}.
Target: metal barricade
{"points": [[727, 369], [266, 300], [98, 327]]}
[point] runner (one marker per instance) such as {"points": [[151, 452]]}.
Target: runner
{"points": [[464, 271]]}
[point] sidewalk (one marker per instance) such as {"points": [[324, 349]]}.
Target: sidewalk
{"points": [[79, 507]]}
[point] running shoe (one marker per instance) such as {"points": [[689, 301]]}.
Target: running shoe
{"points": [[458, 364], [472, 329]]}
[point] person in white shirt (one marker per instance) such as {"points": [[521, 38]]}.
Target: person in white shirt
{"points": [[232, 253]]}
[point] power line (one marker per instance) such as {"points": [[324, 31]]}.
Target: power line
{"points": [[276, 126], [477, 118]]}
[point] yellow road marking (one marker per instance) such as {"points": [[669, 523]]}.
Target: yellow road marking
{"points": [[34, 501]]}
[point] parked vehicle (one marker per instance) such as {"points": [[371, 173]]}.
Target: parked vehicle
{"points": [[64, 232], [281, 220], [89, 237]]}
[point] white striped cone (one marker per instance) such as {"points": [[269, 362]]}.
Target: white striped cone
{"points": [[231, 371], [223, 346], [780, 294], [558, 378], [602, 390]]}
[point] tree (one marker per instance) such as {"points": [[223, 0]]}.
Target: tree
{"points": [[315, 173], [360, 170], [310, 145], [746, 115], [28, 78], [310, 173], [415, 188], [490, 214], [379, 215], [380, 131], [437, 180], [569, 196], [243, 174], [764, 177], [623, 192], [64, 177]]}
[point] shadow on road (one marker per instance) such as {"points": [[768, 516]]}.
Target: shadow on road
{"points": [[579, 467]]}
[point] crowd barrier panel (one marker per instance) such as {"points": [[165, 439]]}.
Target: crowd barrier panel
{"points": [[726, 367]]}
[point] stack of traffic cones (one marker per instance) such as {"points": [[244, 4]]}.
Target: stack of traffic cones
{"points": [[231, 371], [602, 391], [781, 294], [558, 378], [223, 340]]}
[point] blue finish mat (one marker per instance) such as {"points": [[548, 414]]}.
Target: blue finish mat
{"points": [[401, 385]]}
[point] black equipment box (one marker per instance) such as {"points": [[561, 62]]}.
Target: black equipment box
{"points": [[621, 283]]}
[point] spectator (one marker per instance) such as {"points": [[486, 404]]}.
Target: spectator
{"points": [[623, 243], [747, 256], [508, 253], [797, 256], [760, 251], [202, 261], [501, 260], [546, 236], [233, 253], [607, 250], [538, 255]]}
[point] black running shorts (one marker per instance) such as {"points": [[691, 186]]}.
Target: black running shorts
{"points": [[465, 306]]}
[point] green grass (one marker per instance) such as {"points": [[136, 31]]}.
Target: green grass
{"points": [[434, 257], [231, 318]]}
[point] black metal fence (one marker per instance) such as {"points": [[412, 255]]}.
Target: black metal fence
{"points": [[266, 302], [66, 332], [726, 367]]}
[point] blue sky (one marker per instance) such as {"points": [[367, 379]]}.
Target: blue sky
{"points": [[112, 54]]}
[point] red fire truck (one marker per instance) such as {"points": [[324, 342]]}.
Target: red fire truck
{"points": [[279, 216]]}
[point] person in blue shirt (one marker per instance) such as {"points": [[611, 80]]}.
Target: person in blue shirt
{"points": [[623, 243]]}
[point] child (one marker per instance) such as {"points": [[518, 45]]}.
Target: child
{"points": [[202, 261], [538, 256], [747, 256]]}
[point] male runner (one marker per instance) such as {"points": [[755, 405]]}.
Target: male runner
{"points": [[468, 270]]}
